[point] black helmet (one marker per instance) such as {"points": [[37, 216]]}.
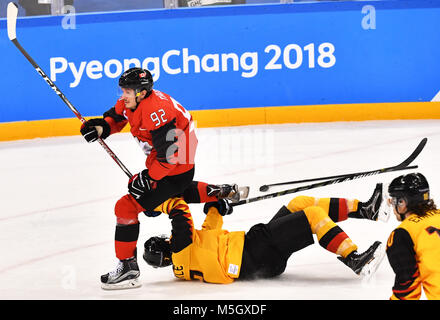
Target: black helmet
{"points": [[157, 252], [137, 79], [413, 188]]}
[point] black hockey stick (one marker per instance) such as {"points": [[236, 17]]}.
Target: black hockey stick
{"points": [[402, 166], [12, 13], [266, 187]]}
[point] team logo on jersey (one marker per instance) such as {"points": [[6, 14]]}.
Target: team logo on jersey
{"points": [[142, 75]]}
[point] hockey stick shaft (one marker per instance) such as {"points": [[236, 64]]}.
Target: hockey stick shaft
{"points": [[402, 166], [11, 23], [266, 187], [315, 185]]}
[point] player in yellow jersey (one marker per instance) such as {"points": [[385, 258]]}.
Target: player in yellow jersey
{"points": [[413, 248], [215, 255]]}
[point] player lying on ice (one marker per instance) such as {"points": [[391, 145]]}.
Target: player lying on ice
{"points": [[215, 255]]}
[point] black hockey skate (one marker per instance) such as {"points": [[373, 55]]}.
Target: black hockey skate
{"points": [[231, 192], [125, 276], [366, 263], [374, 209]]}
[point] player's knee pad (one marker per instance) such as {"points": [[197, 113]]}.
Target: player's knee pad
{"points": [[317, 218], [127, 210], [300, 203]]}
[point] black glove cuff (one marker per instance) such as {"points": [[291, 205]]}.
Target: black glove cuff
{"points": [[147, 175], [209, 205], [221, 205]]}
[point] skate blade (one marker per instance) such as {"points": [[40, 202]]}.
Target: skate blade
{"points": [[371, 267], [127, 284], [385, 209], [244, 192]]}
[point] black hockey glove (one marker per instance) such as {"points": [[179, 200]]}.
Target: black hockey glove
{"points": [[140, 184], [222, 205], [89, 131]]}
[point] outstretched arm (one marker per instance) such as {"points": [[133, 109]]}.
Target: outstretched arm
{"points": [[214, 214], [181, 222]]}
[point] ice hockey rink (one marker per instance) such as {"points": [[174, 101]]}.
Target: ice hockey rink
{"points": [[58, 194]]}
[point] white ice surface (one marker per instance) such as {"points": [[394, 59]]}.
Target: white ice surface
{"points": [[58, 194]]}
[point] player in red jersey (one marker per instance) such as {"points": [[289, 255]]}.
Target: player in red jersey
{"points": [[165, 131]]}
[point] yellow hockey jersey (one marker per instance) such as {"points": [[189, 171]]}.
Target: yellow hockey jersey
{"points": [[413, 251], [210, 254]]}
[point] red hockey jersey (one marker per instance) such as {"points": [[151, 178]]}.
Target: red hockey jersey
{"points": [[164, 130]]}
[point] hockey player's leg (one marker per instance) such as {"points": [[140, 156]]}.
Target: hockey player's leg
{"points": [[127, 227], [340, 209], [330, 236], [127, 272], [334, 239], [336, 208]]}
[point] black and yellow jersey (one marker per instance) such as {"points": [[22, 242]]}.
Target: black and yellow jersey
{"points": [[210, 254], [413, 250]]}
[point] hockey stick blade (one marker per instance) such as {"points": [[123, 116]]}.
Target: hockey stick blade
{"points": [[12, 13], [404, 164], [401, 166], [413, 155]]}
